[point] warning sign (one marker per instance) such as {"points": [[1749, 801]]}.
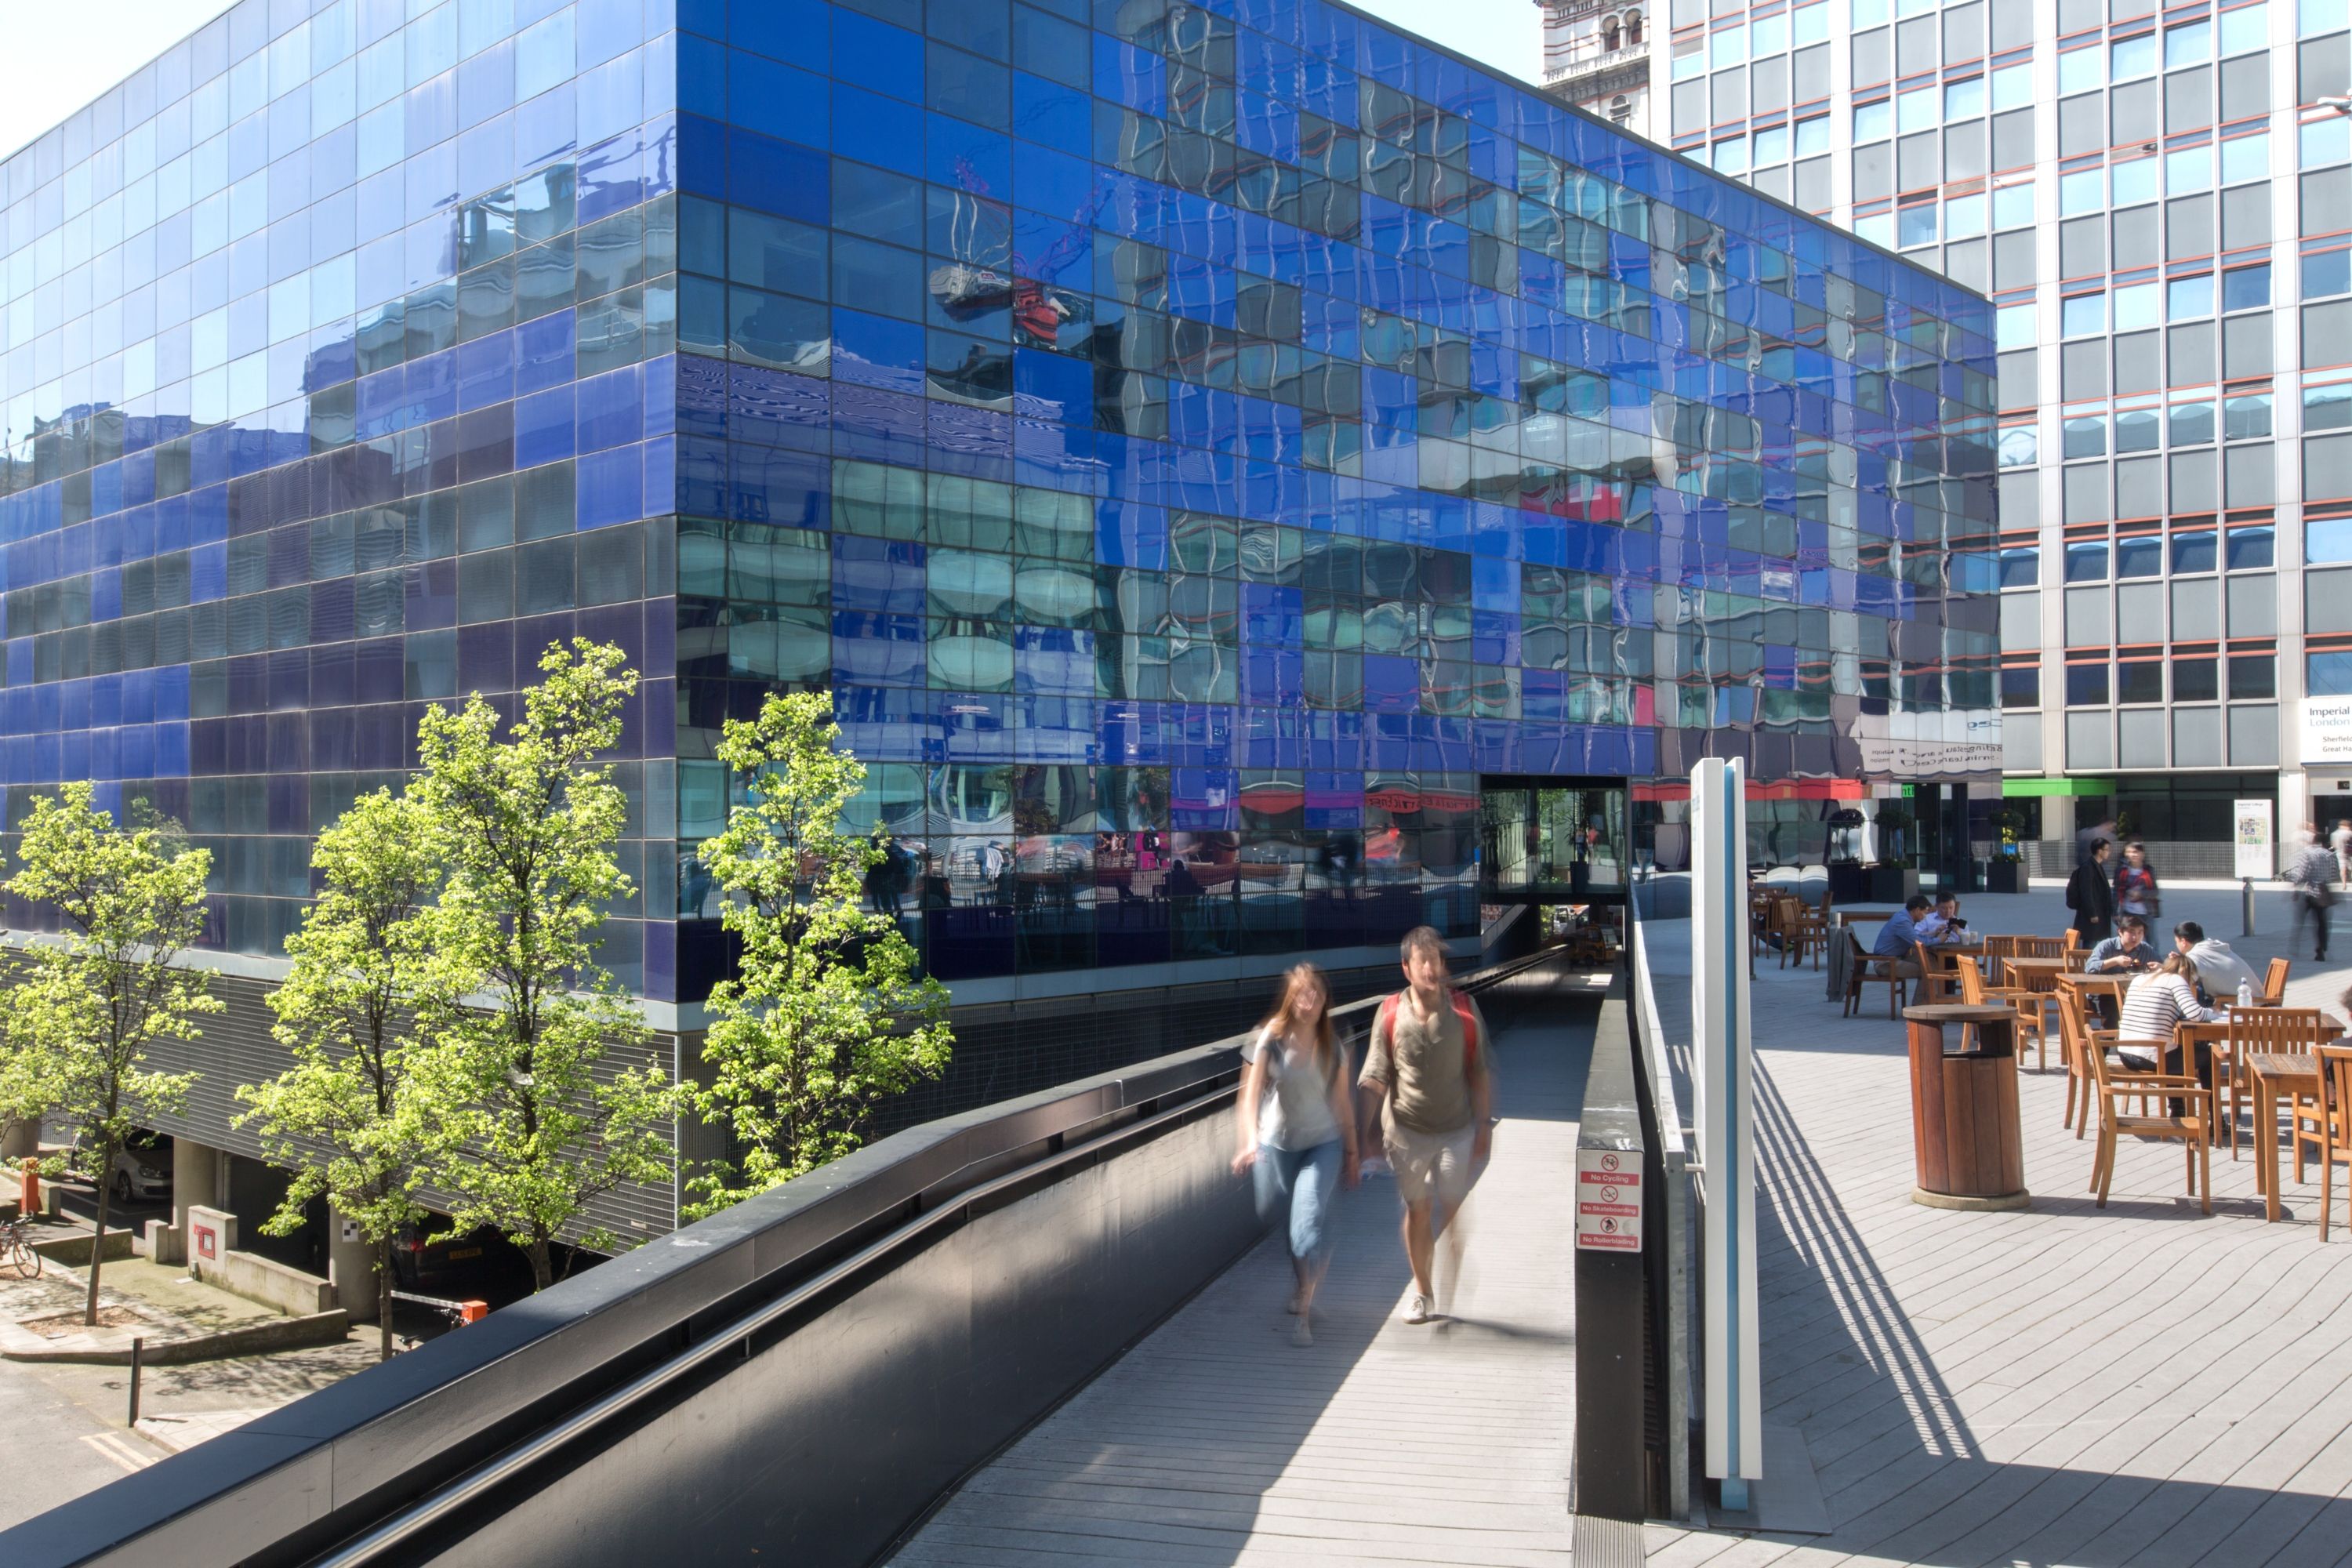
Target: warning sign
{"points": [[1609, 1200]]}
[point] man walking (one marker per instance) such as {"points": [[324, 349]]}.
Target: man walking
{"points": [[1426, 1069], [2313, 876]]}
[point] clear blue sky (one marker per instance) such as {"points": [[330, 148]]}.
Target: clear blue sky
{"points": [[63, 53]]}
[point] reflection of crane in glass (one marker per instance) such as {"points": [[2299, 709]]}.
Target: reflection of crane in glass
{"points": [[972, 285]]}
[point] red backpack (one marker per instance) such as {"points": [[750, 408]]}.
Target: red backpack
{"points": [[1386, 1023]]}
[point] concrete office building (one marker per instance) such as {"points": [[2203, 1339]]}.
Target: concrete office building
{"points": [[1252, 482], [2156, 200], [1597, 57]]}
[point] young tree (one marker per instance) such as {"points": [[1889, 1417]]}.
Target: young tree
{"points": [[828, 1016], [93, 1001], [521, 1075], [346, 1118]]}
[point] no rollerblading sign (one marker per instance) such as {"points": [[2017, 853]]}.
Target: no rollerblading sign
{"points": [[1609, 1200]]}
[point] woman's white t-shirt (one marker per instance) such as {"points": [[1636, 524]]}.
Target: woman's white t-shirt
{"points": [[1294, 1110]]}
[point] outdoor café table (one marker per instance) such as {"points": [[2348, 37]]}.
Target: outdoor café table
{"points": [[2024, 971], [2271, 1071], [2088, 985]]}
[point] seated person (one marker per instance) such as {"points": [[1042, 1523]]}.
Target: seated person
{"points": [[2218, 969], [2159, 1001], [1896, 937], [1945, 928], [2127, 949]]}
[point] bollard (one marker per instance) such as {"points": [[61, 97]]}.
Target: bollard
{"points": [[28, 1200], [2246, 907], [138, 1352]]}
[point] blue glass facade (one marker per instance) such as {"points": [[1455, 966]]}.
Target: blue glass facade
{"points": [[1195, 445]]}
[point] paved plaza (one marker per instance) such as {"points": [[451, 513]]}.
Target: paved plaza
{"points": [[2141, 1385]]}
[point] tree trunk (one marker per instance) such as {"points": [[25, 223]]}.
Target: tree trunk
{"points": [[542, 1263], [98, 1242], [384, 1298]]}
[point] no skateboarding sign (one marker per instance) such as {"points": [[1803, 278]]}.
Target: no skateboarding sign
{"points": [[1609, 1200]]}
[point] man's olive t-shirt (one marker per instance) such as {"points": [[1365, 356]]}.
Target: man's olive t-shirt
{"points": [[1422, 1065]]}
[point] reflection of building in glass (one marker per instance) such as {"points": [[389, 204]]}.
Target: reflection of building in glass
{"points": [[1208, 463]]}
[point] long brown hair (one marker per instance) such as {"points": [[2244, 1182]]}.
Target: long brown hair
{"points": [[1278, 1022]]}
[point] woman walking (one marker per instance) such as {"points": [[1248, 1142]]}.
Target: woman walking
{"points": [[1296, 1127], [2136, 891]]}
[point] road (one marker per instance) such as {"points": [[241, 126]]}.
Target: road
{"points": [[65, 1426]]}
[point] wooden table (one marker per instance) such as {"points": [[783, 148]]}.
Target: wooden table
{"points": [[2270, 1070], [2024, 971]]}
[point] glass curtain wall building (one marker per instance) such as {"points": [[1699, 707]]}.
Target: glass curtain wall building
{"points": [[1199, 450], [2157, 198]]}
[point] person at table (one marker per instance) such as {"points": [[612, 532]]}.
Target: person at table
{"points": [[2127, 950], [2220, 970], [1945, 928], [2091, 896], [2159, 1002], [1896, 937]]}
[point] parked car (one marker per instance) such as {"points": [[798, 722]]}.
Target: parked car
{"points": [[141, 1171], [438, 1268]]}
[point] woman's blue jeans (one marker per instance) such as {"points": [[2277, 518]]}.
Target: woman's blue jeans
{"points": [[1305, 1180]]}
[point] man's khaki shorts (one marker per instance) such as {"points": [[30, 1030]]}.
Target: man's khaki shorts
{"points": [[1429, 1164]]}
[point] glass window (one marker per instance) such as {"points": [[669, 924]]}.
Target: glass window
{"points": [[2078, 71], [2324, 142], [2139, 680], [2327, 674], [2132, 56], [2082, 315], [2134, 182], [2188, 45], [1873, 121], [2245, 158], [2189, 169], [2253, 675], [2194, 552], [1731, 155], [2086, 562], [1770, 36], [2012, 205], [1915, 225], [2245, 416], [2247, 28], [1914, 110], [2142, 556], [1963, 216], [2012, 86], [2318, 15], [2328, 407], [1772, 146], [1729, 46], [2192, 424], [2084, 435], [2084, 191], [2135, 306], [1811, 24], [2187, 299], [2246, 288], [1869, 13], [2020, 566], [2020, 686], [2196, 680], [1690, 58], [2012, 326], [2018, 446], [2138, 431], [1964, 100], [2326, 272], [2086, 685], [1814, 135], [2250, 548], [2328, 541]]}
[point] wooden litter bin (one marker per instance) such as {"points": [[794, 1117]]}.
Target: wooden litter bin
{"points": [[1964, 1122]]}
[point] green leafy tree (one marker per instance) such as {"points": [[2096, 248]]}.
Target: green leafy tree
{"points": [[828, 1015], [347, 1119], [90, 1004], [527, 1076]]}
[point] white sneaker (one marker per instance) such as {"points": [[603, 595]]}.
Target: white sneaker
{"points": [[1300, 1334], [1417, 1309]]}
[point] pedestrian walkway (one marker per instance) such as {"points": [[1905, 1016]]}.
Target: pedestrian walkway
{"points": [[1217, 1441], [2141, 1385]]}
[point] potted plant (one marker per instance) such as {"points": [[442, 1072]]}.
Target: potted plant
{"points": [[1892, 879], [2007, 873]]}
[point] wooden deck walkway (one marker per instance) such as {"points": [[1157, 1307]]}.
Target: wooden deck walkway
{"points": [[2138, 1385], [1217, 1441]]}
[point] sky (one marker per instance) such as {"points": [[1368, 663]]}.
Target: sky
{"points": [[64, 53]]}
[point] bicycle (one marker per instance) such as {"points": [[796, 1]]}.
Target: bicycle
{"points": [[16, 1248]]}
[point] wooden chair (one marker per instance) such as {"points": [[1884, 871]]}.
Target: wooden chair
{"points": [[2077, 1043], [2193, 1125], [1867, 966], [1977, 992], [2335, 1126], [1938, 980], [2284, 1031], [2040, 946], [2273, 990], [1806, 933]]}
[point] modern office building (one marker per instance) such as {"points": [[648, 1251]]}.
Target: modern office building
{"points": [[2158, 202], [1242, 472]]}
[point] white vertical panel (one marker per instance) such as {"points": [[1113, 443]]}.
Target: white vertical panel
{"points": [[1719, 1004]]}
